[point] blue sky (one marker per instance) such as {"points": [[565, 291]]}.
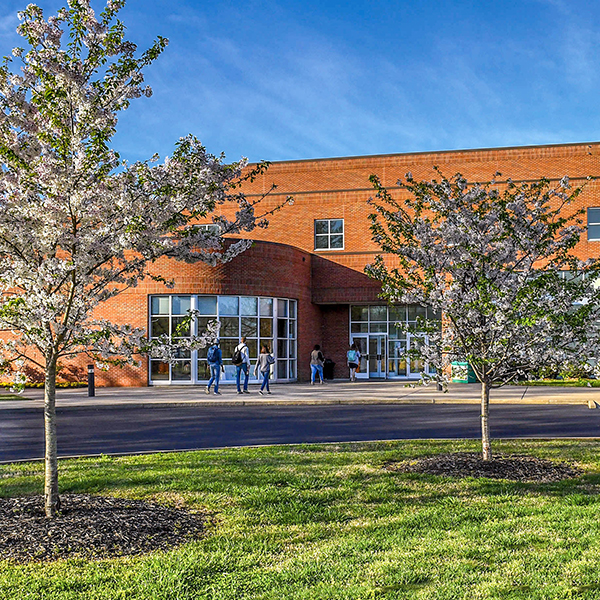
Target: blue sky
{"points": [[295, 79]]}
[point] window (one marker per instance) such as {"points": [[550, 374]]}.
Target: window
{"points": [[593, 223], [211, 228], [264, 321], [329, 234]]}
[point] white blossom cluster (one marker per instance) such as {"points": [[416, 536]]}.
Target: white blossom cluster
{"points": [[78, 225], [498, 262]]}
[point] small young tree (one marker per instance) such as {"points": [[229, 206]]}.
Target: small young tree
{"points": [[498, 262], [78, 225]]}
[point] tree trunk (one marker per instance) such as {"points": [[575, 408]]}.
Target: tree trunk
{"points": [[52, 501], [485, 421]]}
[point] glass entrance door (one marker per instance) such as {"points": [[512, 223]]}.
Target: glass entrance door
{"points": [[377, 356], [400, 362], [373, 355]]}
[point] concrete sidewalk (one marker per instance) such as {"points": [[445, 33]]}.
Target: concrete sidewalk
{"points": [[332, 392]]}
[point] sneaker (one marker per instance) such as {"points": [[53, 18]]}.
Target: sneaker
{"points": [[207, 390], [217, 393], [239, 392], [312, 383], [268, 392], [260, 392], [322, 382], [246, 392]]}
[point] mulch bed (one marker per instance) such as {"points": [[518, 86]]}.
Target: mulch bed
{"points": [[470, 464], [92, 527]]}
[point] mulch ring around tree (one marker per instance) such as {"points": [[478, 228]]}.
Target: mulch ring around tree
{"points": [[527, 469], [93, 527]]}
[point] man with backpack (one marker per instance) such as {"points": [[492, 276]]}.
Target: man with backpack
{"points": [[241, 360], [214, 358]]}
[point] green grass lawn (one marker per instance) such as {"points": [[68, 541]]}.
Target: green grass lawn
{"points": [[329, 522], [562, 382]]}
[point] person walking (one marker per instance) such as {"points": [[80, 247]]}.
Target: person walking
{"points": [[214, 358], [316, 364], [263, 366], [241, 360], [353, 360]]}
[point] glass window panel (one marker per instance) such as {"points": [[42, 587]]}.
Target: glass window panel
{"points": [[181, 305], [416, 310], [398, 314], [396, 332], [292, 348], [593, 232], [159, 371], [378, 313], [321, 242], [282, 348], [249, 326], [292, 309], [229, 305], [292, 366], [252, 348], [202, 352], [266, 327], [336, 241], [321, 227], [359, 328], [160, 305], [282, 328], [203, 323], [360, 313], [434, 315], [230, 327], [336, 226], [179, 327], [282, 308], [159, 326], [266, 307], [282, 369], [181, 352], [227, 348], [203, 370], [378, 328], [593, 216], [229, 373], [292, 329], [181, 370], [249, 306], [207, 305]]}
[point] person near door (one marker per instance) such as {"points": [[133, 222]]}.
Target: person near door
{"points": [[353, 360], [316, 364]]}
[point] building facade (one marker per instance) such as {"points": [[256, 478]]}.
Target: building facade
{"points": [[302, 282]]}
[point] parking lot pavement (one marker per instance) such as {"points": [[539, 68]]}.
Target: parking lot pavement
{"points": [[332, 392]]}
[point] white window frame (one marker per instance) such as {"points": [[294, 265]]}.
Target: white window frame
{"points": [[596, 221], [328, 235]]}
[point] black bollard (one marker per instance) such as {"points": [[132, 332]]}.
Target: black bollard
{"points": [[91, 382]]}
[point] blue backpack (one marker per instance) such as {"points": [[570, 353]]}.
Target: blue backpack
{"points": [[211, 357]]}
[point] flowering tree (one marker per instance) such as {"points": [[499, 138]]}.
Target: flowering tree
{"points": [[78, 225], [498, 262]]}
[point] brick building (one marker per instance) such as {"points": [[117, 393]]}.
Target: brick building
{"points": [[303, 280]]}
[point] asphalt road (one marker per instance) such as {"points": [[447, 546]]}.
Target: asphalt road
{"points": [[122, 429]]}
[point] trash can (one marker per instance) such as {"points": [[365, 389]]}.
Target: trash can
{"points": [[328, 367], [463, 373]]}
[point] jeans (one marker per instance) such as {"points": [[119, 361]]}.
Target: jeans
{"points": [[238, 372], [215, 375], [314, 369], [265, 382]]}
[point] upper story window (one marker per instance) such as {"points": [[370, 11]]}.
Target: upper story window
{"points": [[211, 228], [593, 223], [329, 234]]}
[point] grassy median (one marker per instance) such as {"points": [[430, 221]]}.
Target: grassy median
{"points": [[331, 522]]}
